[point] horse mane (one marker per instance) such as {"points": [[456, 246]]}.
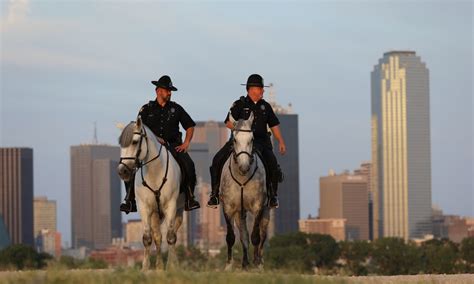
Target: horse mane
{"points": [[125, 138]]}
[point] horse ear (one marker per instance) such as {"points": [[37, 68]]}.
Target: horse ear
{"points": [[251, 117], [231, 118], [139, 122], [120, 125]]}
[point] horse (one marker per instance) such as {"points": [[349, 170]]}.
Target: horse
{"points": [[158, 196], [243, 190]]}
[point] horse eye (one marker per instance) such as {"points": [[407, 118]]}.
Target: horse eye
{"points": [[134, 142]]}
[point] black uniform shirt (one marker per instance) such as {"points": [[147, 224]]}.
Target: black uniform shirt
{"points": [[263, 116], [164, 121]]}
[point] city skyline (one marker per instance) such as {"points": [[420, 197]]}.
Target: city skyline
{"points": [[55, 85]]}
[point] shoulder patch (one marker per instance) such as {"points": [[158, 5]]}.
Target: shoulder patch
{"points": [[143, 108]]}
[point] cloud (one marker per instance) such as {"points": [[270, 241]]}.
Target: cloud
{"points": [[17, 11]]}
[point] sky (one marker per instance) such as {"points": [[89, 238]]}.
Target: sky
{"points": [[68, 64]]}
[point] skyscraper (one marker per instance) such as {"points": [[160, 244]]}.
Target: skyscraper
{"points": [[401, 164], [345, 196], [209, 137], [366, 171], [44, 212], [16, 193], [95, 195], [287, 215]]}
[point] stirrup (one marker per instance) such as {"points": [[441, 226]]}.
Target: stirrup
{"points": [[128, 206], [213, 202], [191, 205], [275, 204]]}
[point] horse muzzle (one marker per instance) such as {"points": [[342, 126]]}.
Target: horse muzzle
{"points": [[124, 172]]}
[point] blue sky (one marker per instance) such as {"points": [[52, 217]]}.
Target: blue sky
{"points": [[66, 64]]}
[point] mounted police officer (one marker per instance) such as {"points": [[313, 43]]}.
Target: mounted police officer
{"points": [[163, 117], [264, 118]]}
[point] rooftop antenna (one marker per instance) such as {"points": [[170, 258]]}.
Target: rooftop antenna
{"points": [[95, 141], [271, 95]]}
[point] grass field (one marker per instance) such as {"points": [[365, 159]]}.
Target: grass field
{"points": [[135, 276]]}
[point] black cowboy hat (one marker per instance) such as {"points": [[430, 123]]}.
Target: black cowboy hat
{"points": [[165, 83], [254, 80]]}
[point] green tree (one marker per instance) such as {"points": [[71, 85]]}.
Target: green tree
{"points": [[301, 252], [467, 253], [356, 254], [324, 250], [393, 256], [23, 257], [439, 256]]}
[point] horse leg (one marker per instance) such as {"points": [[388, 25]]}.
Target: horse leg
{"points": [[171, 237], [264, 221], [255, 237], [230, 240], [147, 238], [172, 257], [155, 228], [244, 238]]}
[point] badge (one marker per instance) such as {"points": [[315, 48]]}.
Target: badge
{"points": [[262, 107], [173, 110]]}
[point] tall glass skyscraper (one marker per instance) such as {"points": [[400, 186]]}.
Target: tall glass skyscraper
{"points": [[95, 195], [16, 194], [401, 176]]}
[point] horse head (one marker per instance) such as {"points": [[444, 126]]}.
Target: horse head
{"points": [[132, 140], [242, 152]]}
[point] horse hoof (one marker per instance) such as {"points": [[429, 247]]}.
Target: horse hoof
{"points": [[228, 267]]}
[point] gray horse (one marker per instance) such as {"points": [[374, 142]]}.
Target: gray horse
{"points": [[157, 188], [243, 190]]}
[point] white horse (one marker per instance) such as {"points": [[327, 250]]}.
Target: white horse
{"points": [[243, 189], [158, 194]]}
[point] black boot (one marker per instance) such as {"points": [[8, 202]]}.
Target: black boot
{"points": [[190, 203], [273, 198], [214, 198], [129, 204]]}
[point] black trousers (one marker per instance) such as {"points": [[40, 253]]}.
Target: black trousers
{"points": [[266, 151], [186, 164]]}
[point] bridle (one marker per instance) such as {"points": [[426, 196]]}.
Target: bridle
{"points": [[252, 159], [140, 164], [235, 155]]}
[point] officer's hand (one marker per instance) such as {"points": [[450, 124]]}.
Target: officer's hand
{"points": [[182, 148], [161, 140], [282, 148]]}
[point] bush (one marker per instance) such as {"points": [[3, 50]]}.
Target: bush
{"points": [[301, 252], [467, 253], [392, 256], [356, 254], [23, 257], [439, 256]]}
